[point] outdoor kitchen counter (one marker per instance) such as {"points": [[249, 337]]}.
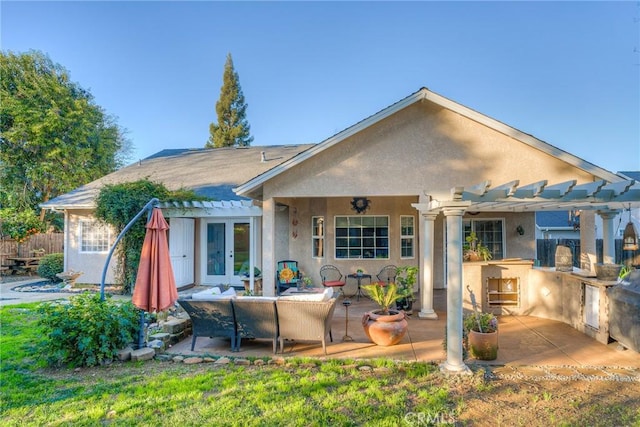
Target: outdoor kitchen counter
{"points": [[499, 287], [574, 298], [517, 287]]}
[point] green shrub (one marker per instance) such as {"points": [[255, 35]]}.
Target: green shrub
{"points": [[50, 265], [86, 331]]}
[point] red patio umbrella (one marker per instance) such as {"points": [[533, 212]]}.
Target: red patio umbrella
{"points": [[155, 288]]}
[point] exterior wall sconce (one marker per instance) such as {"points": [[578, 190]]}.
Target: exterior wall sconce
{"points": [[520, 230]]}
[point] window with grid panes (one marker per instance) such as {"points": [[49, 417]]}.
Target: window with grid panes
{"points": [[317, 236], [362, 237], [94, 237], [490, 233], [407, 236]]}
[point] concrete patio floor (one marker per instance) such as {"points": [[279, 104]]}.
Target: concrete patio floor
{"points": [[524, 340]]}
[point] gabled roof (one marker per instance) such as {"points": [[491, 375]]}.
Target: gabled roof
{"points": [[211, 173], [252, 188]]}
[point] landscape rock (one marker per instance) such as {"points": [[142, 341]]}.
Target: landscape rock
{"points": [[143, 354]]}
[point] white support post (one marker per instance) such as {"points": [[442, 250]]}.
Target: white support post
{"points": [[608, 236], [426, 261], [268, 248], [455, 360]]}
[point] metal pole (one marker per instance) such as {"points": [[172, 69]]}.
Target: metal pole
{"points": [[146, 207]]}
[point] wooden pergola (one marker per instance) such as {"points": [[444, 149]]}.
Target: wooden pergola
{"points": [[607, 199]]}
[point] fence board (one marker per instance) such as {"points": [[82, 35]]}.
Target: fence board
{"points": [[546, 249], [50, 242]]}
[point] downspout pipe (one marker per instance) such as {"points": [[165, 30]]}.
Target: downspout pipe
{"points": [[147, 208]]}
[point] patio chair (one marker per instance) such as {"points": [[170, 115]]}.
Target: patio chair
{"points": [[332, 278], [211, 318], [256, 317], [287, 275], [305, 320], [387, 274]]}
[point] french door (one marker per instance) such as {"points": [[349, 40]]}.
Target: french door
{"points": [[226, 247]]}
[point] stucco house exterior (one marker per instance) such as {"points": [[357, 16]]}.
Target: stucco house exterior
{"points": [[270, 203]]}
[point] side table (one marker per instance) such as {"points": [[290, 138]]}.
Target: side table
{"points": [[359, 277]]}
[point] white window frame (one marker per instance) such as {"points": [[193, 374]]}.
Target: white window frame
{"points": [[92, 227], [408, 237], [319, 238], [375, 237], [472, 221]]}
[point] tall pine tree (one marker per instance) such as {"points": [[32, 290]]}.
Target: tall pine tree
{"points": [[232, 129]]}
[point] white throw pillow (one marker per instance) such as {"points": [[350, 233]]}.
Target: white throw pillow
{"points": [[206, 294], [230, 291], [304, 297]]}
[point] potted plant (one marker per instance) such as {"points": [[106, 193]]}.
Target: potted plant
{"points": [[384, 326], [481, 333], [474, 250], [406, 279], [308, 283]]}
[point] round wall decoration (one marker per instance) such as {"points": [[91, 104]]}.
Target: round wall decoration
{"points": [[360, 204]]}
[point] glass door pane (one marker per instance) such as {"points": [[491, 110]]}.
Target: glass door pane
{"points": [[216, 249], [240, 246]]}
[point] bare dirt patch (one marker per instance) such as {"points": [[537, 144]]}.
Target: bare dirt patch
{"points": [[543, 402]]}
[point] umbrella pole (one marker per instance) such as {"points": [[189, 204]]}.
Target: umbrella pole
{"points": [[146, 208], [141, 332]]}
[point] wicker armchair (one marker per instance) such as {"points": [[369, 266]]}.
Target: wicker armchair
{"points": [[305, 321], [256, 317], [211, 318]]}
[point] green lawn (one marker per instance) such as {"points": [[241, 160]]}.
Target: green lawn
{"points": [[303, 392]]}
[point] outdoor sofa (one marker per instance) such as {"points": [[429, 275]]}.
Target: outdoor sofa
{"points": [[305, 317]]}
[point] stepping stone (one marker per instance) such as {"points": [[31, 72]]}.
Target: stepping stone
{"points": [[192, 360], [531, 371], [143, 354], [592, 372], [563, 372]]}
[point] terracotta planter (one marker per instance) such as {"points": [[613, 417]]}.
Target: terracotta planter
{"points": [[385, 329], [483, 346], [472, 256]]}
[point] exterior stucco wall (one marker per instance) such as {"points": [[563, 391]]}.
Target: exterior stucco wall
{"points": [[301, 211], [91, 264], [423, 148]]}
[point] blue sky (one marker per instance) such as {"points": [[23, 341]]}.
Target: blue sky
{"points": [[565, 72]]}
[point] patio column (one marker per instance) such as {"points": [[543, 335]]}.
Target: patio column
{"points": [[454, 362], [426, 261], [608, 236], [588, 240], [268, 248]]}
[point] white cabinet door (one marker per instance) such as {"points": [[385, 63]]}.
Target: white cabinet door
{"points": [[592, 306]]}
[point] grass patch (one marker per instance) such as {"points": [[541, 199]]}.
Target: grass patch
{"points": [[306, 391], [303, 392]]}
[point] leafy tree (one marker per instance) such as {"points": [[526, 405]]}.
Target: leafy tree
{"points": [[232, 129], [53, 136]]}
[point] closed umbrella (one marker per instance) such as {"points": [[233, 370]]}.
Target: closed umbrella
{"points": [[155, 288]]}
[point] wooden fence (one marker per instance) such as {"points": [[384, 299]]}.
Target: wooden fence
{"points": [[50, 242], [547, 251]]}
